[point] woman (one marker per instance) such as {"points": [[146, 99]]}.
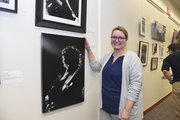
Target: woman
{"points": [[121, 79]]}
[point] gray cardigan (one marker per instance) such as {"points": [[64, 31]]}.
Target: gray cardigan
{"points": [[132, 79]]}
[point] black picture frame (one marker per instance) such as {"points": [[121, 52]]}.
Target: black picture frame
{"points": [[143, 52], [42, 22], [11, 7], [62, 70], [154, 63]]}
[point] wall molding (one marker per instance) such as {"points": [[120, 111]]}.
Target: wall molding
{"points": [[162, 11], [157, 103]]}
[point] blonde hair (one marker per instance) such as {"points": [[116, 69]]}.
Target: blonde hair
{"points": [[120, 28]]}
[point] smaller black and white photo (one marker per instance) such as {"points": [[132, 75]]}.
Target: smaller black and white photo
{"points": [[62, 71], [67, 15], [66, 11], [9, 6], [5, 1]]}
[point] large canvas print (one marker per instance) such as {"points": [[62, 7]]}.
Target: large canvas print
{"points": [[158, 31], [62, 71], [62, 14]]}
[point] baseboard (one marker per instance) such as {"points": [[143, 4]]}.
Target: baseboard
{"points": [[157, 103]]}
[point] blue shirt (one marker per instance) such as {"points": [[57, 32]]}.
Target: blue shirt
{"points": [[111, 85]]}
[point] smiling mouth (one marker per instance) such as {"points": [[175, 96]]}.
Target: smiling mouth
{"points": [[116, 43]]}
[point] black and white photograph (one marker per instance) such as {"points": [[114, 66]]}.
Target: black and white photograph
{"points": [[8, 6], [62, 71], [50, 13], [5, 1], [64, 11]]}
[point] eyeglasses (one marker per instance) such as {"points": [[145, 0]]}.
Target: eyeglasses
{"points": [[120, 39]]}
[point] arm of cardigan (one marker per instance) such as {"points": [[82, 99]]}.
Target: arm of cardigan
{"points": [[95, 65], [136, 79]]}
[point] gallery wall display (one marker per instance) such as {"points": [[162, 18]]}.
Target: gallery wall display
{"points": [[154, 48], [158, 31], [143, 52], [154, 63], [9, 5], [161, 51], [62, 71], [143, 26], [67, 15], [176, 36]]}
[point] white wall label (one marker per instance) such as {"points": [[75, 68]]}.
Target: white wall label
{"points": [[10, 77]]}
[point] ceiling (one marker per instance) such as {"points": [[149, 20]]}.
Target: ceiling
{"points": [[176, 3]]}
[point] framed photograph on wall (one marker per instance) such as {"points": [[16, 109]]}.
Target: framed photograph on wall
{"points": [[67, 15], [154, 48], [8, 5], [161, 51], [154, 63], [143, 26], [143, 52], [158, 31], [62, 69]]}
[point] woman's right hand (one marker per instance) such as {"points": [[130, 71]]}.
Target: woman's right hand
{"points": [[89, 52], [87, 46]]}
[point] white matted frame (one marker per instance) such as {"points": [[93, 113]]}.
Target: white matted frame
{"points": [[143, 52], [9, 6], [143, 26], [60, 15], [161, 51]]}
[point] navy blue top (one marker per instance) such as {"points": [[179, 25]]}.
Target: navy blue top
{"points": [[111, 85], [173, 61]]}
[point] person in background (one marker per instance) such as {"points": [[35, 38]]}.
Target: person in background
{"points": [[121, 78], [172, 61]]}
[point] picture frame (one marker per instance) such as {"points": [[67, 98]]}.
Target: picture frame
{"points": [[143, 52], [9, 6], [143, 26], [63, 77], [154, 63], [154, 48], [62, 15], [161, 51], [158, 31]]}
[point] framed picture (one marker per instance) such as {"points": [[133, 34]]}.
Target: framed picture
{"points": [[143, 26], [154, 63], [67, 15], [143, 52], [176, 36], [8, 5], [158, 31], [154, 48], [62, 71], [161, 51]]}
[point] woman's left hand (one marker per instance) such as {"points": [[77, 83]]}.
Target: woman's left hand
{"points": [[125, 115]]}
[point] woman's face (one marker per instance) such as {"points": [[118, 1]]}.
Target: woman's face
{"points": [[118, 40]]}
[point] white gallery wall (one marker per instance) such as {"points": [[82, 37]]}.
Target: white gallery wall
{"points": [[20, 50]]}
